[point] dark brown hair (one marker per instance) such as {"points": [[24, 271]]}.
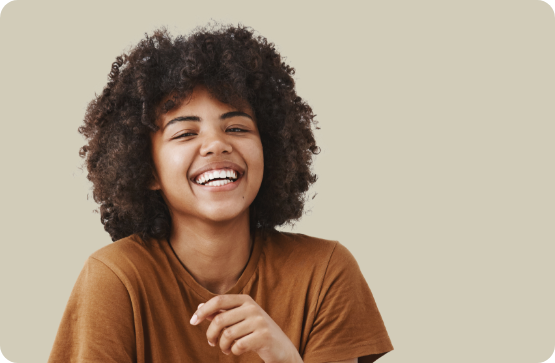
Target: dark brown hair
{"points": [[235, 66]]}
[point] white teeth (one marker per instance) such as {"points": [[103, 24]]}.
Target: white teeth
{"points": [[218, 183], [216, 174]]}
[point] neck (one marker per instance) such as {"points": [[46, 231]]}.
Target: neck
{"points": [[215, 254]]}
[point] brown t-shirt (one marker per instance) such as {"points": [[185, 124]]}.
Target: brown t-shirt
{"points": [[132, 302]]}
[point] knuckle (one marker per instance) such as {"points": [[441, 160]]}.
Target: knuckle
{"points": [[240, 345], [265, 333], [218, 320], [228, 333]]}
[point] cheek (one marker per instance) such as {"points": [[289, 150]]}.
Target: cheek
{"points": [[175, 161], [257, 159], [173, 164]]}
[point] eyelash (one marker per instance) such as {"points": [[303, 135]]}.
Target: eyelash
{"points": [[186, 134], [237, 128]]}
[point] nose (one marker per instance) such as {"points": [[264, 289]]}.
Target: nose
{"points": [[215, 143]]}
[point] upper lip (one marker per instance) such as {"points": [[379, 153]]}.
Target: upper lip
{"points": [[218, 165]]}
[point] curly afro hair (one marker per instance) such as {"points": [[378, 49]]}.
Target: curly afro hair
{"points": [[157, 75]]}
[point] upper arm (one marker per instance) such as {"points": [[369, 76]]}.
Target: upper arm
{"points": [[366, 359], [370, 358], [347, 320], [98, 323]]}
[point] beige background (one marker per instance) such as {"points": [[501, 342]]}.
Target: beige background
{"points": [[437, 170]]}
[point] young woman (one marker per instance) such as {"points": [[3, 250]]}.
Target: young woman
{"points": [[198, 148]]}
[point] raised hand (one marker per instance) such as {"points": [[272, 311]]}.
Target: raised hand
{"points": [[243, 326]]}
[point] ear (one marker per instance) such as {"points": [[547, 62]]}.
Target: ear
{"points": [[155, 185]]}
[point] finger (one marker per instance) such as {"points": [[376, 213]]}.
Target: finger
{"points": [[244, 344], [209, 318], [233, 333], [217, 303], [223, 320]]}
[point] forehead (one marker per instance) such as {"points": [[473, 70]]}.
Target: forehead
{"points": [[199, 104]]}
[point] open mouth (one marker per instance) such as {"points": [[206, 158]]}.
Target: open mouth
{"points": [[216, 178]]}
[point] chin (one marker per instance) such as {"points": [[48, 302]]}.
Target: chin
{"points": [[224, 214]]}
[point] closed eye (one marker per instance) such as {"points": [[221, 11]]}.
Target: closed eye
{"points": [[232, 129], [185, 134]]}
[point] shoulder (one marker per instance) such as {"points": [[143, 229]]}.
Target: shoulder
{"points": [[119, 251], [298, 244], [299, 240], [130, 258], [129, 245], [303, 245], [326, 258], [286, 249]]}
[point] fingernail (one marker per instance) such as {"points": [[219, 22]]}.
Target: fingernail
{"points": [[226, 353], [194, 319], [211, 344]]}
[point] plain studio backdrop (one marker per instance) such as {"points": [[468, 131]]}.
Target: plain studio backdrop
{"points": [[436, 171]]}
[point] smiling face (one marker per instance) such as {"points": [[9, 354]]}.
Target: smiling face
{"points": [[208, 159]]}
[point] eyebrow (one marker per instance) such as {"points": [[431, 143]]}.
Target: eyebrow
{"points": [[198, 119]]}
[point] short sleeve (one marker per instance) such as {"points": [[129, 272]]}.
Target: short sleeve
{"points": [[347, 323], [97, 325]]}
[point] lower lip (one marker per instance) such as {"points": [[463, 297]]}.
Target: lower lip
{"points": [[222, 188]]}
